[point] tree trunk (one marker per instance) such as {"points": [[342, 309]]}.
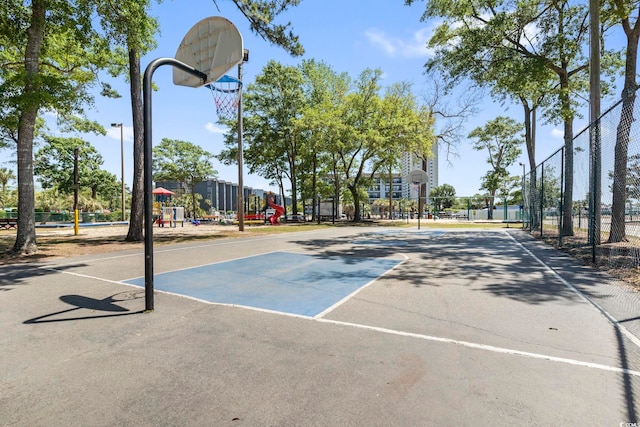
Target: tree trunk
{"points": [[314, 186], [534, 200], [26, 235], [294, 195], [356, 202], [567, 200], [136, 220], [390, 193], [283, 201], [618, 228], [336, 195], [491, 200], [293, 177], [619, 190], [192, 188], [530, 143]]}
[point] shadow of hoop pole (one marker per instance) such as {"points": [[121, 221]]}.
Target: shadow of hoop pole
{"points": [[148, 167], [80, 302]]}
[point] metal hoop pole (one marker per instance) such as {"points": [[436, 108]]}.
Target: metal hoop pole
{"points": [[240, 156], [148, 168]]}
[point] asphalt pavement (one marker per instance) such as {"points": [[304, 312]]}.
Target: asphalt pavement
{"points": [[348, 326]]}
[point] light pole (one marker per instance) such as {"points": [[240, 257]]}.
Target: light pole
{"points": [[115, 125]]}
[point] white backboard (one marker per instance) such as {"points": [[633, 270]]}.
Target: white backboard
{"points": [[417, 176], [212, 46]]}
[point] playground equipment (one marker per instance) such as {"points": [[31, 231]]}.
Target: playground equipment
{"points": [[279, 210], [254, 212], [173, 215], [163, 214], [270, 211]]}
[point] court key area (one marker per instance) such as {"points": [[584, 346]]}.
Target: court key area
{"points": [[291, 283]]}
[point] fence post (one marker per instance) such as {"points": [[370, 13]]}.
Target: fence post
{"points": [[541, 192], [561, 211], [533, 214], [594, 199]]}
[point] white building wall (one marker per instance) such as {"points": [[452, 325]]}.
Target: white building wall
{"points": [[412, 162], [380, 185]]}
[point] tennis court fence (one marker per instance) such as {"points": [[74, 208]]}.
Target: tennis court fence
{"points": [[585, 198]]}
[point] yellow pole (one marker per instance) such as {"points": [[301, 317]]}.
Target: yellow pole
{"points": [[76, 152]]}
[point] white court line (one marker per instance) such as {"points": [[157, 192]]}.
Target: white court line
{"points": [[207, 264], [86, 276], [224, 261], [357, 291], [602, 311], [226, 241], [467, 344], [484, 347]]}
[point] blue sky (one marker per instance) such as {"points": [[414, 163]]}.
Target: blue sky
{"points": [[349, 35]]}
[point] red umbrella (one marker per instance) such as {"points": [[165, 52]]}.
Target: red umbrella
{"points": [[162, 192]]}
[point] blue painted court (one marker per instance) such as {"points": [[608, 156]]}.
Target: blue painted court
{"points": [[280, 281]]}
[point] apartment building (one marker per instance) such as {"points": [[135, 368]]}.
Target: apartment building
{"points": [[397, 185]]}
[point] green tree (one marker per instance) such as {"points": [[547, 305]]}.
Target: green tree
{"points": [[445, 196], [511, 190], [191, 201], [633, 178], [182, 161], [319, 123], [129, 27], [50, 200], [376, 130], [54, 164], [6, 175], [499, 137], [271, 104], [494, 43], [261, 15], [49, 56], [103, 184], [477, 201]]}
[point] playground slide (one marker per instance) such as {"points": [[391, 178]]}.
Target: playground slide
{"points": [[275, 218]]}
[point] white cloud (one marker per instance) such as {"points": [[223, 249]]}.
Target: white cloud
{"points": [[214, 129], [50, 114], [557, 133], [379, 39], [413, 47], [418, 47], [114, 132]]}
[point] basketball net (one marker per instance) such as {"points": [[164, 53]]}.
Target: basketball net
{"points": [[226, 96]]}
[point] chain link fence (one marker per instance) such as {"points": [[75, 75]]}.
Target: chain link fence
{"points": [[587, 200]]}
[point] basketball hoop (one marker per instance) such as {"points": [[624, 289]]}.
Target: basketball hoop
{"points": [[226, 96]]}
